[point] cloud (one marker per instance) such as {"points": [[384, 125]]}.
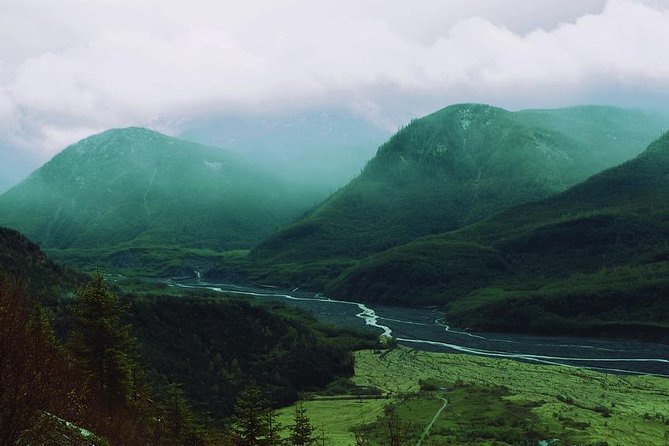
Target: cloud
{"points": [[74, 67]]}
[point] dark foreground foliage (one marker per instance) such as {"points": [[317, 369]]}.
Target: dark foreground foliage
{"points": [[48, 393], [217, 347]]}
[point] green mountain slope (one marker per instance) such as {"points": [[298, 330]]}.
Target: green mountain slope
{"points": [[457, 166], [593, 256], [141, 187], [23, 262]]}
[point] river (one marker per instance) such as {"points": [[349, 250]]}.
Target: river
{"points": [[426, 329]]}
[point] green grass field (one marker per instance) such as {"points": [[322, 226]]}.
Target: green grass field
{"points": [[492, 400], [337, 416]]}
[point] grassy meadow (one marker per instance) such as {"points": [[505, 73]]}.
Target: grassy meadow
{"points": [[495, 402]]}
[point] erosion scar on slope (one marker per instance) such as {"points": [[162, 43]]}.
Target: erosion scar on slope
{"points": [[146, 192]]}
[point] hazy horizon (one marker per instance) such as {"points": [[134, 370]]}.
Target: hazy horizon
{"points": [[71, 68], [345, 147]]}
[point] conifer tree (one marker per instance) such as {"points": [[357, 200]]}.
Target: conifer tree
{"points": [[178, 415], [322, 438], [274, 429], [302, 431], [104, 344], [36, 375], [251, 422]]}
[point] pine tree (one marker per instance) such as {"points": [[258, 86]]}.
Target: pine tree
{"points": [[274, 429], [178, 416], [322, 438], [302, 431], [37, 376], [251, 422], [104, 344]]}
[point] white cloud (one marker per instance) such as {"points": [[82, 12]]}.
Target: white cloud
{"points": [[77, 66]]}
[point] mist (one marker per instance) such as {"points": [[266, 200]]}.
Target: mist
{"points": [[84, 68], [320, 149]]}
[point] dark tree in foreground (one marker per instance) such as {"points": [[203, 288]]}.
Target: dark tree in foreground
{"points": [[38, 381], [178, 417], [274, 428], [256, 423], [302, 431], [104, 343], [251, 422], [46, 396]]}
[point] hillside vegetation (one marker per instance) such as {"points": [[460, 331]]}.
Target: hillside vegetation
{"points": [[24, 262], [215, 348], [151, 366], [486, 395], [489, 401], [453, 168], [594, 258], [140, 188]]}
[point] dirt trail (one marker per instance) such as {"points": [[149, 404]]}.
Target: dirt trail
{"points": [[429, 426]]}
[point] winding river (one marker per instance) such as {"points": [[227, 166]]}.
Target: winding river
{"points": [[426, 329]]}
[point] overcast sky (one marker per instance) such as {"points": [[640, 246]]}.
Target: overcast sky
{"points": [[70, 68]]}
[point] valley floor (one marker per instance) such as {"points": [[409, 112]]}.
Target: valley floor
{"points": [[493, 401]]}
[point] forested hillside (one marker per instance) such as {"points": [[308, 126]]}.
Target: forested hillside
{"points": [[217, 347], [123, 368], [23, 261], [593, 257], [136, 187], [453, 168]]}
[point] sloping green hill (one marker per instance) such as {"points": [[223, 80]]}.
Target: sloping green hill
{"points": [[23, 262], [136, 186], [593, 256], [455, 167]]}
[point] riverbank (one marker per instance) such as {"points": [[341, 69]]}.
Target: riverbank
{"points": [[425, 329]]}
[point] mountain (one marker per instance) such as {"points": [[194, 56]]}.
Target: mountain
{"points": [[455, 167], [593, 259], [136, 186]]}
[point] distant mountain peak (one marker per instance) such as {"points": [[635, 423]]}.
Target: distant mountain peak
{"points": [[458, 165], [467, 113], [125, 137], [132, 132], [135, 185], [472, 107]]}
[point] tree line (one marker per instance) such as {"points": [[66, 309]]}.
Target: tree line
{"points": [[93, 385]]}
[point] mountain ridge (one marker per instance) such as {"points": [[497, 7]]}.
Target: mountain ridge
{"points": [[591, 258], [137, 185], [454, 167]]}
